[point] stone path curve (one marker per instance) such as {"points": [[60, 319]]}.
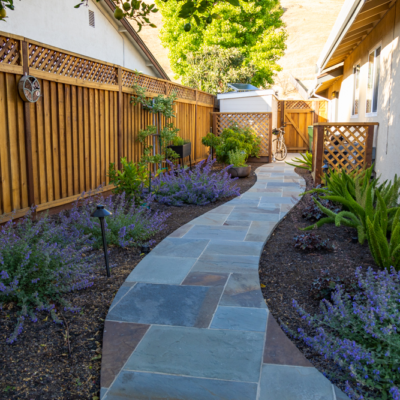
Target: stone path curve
{"points": [[190, 321]]}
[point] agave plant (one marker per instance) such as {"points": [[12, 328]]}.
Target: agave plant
{"points": [[304, 163]]}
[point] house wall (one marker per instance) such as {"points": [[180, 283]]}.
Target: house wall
{"points": [[58, 23], [247, 104], [387, 135]]}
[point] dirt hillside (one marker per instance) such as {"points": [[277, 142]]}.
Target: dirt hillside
{"points": [[308, 23]]}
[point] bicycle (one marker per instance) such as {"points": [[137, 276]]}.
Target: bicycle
{"points": [[279, 145]]}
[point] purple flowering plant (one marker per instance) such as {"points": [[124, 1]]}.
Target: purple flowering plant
{"points": [[200, 186], [39, 262], [129, 224], [360, 333]]}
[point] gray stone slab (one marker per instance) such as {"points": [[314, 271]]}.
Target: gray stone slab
{"points": [[225, 247], [158, 269], [103, 393], [183, 230], [281, 200], [237, 233], [281, 382], [210, 219], [167, 305], [339, 394], [240, 319], [207, 353], [145, 386], [196, 278], [185, 248], [265, 190], [123, 290], [243, 290], [257, 210], [244, 202], [223, 263], [283, 184], [237, 223], [247, 216], [225, 209], [259, 231]]}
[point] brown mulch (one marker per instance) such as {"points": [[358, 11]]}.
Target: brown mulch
{"points": [[52, 361], [288, 273]]}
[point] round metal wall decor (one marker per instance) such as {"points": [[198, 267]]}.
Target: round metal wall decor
{"points": [[29, 89]]}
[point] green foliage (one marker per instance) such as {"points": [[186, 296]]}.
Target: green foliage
{"points": [[178, 141], [131, 179], [306, 162], [252, 28], [237, 158], [236, 138], [211, 68], [211, 140]]}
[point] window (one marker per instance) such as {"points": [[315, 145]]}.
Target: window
{"points": [[356, 89], [373, 80], [91, 18]]}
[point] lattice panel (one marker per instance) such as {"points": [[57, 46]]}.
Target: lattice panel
{"points": [[297, 104], [10, 51], [152, 85], [64, 64], [205, 98], [182, 92], [345, 146], [258, 122]]}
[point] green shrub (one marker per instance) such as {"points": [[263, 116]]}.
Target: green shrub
{"points": [[178, 141], [305, 162], [130, 180], [237, 158]]}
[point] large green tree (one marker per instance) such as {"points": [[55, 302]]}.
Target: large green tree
{"points": [[254, 28]]}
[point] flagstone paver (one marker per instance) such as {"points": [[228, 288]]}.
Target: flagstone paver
{"points": [[190, 322]]}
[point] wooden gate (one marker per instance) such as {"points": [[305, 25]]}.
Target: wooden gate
{"points": [[298, 115]]}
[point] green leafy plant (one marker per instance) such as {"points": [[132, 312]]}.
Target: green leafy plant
{"points": [[130, 179], [237, 158], [306, 162], [211, 140], [178, 141]]}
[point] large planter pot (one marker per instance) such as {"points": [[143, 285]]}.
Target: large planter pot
{"points": [[239, 172], [183, 151]]}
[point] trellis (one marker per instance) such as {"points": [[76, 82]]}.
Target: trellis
{"points": [[260, 122], [342, 146]]}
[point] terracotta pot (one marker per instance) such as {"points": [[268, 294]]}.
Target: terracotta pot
{"points": [[240, 172]]}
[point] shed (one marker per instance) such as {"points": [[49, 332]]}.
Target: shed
{"points": [[253, 101]]}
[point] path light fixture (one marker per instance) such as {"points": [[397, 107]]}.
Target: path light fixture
{"points": [[145, 249], [101, 213]]}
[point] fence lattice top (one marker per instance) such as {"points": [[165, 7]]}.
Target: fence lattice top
{"points": [[297, 104], [9, 51], [345, 146]]}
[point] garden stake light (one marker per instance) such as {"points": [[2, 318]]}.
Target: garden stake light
{"points": [[101, 213]]}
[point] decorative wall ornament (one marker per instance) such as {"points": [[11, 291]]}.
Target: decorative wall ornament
{"points": [[29, 89]]}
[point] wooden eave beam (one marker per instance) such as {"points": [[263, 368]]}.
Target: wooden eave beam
{"points": [[371, 13], [373, 4], [364, 22]]}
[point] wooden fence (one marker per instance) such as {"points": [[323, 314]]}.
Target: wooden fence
{"points": [[53, 150], [260, 122], [341, 146]]}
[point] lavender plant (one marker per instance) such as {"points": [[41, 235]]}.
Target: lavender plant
{"points": [[200, 187], [39, 262], [360, 333], [128, 225]]}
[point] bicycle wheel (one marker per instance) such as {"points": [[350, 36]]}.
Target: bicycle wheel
{"points": [[280, 149]]}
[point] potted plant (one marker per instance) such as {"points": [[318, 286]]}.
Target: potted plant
{"points": [[182, 147], [237, 158]]}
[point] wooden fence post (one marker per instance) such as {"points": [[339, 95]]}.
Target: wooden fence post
{"points": [[28, 130], [120, 118], [318, 152], [282, 112], [270, 137], [195, 128], [214, 123], [368, 146]]}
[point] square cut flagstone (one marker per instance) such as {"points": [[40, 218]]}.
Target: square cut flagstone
{"points": [[157, 269], [339, 394], [260, 231], [237, 223], [281, 382], [240, 319], [237, 233], [186, 248], [243, 290], [207, 353], [167, 305], [225, 209], [242, 202], [226, 247], [123, 290], [205, 279], [119, 341], [257, 210], [285, 185], [144, 386], [181, 231], [275, 200], [225, 263], [279, 349], [210, 219], [249, 216]]}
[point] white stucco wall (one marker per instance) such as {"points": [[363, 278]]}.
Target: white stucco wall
{"points": [[58, 23], [247, 104], [387, 135]]}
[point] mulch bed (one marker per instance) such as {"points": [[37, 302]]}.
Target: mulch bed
{"points": [[51, 361], [288, 273]]}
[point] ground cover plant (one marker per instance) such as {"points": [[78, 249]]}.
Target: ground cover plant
{"points": [[200, 186], [237, 158], [40, 262], [360, 333], [129, 224], [311, 242]]}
